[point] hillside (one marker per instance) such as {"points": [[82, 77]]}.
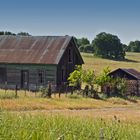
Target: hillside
{"points": [[97, 64]]}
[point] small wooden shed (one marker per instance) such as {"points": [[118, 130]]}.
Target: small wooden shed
{"points": [[132, 78], [30, 62]]}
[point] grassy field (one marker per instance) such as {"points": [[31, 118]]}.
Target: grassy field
{"points": [[39, 127], [32, 101], [97, 64], [71, 117]]}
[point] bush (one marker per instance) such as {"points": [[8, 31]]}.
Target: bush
{"points": [[44, 91]]}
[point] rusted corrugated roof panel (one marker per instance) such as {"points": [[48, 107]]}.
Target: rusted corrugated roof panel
{"points": [[131, 72], [32, 49]]}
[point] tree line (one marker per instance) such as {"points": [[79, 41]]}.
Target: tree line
{"points": [[107, 45], [11, 33], [104, 45]]}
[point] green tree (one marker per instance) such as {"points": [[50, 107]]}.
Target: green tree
{"points": [[6, 33], [9, 33], [88, 48], [108, 46], [82, 41], [79, 76], [24, 34], [89, 77], [125, 47], [75, 78], [103, 77], [81, 48], [1, 32], [84, 45], [134, 46]]}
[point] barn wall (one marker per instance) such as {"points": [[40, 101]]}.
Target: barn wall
{"points": [[14, 74], [132, 87], [66, 65]]}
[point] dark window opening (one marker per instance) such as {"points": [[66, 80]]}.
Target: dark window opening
{"points": [[24, 78], [70, 55], [40, 77], [3, 76]]}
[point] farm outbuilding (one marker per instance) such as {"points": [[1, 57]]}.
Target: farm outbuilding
{"points": [[132, 78], [30, 62]]}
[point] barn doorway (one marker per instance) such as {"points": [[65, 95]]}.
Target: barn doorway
{"points": [[24, 79], [2, 75]]}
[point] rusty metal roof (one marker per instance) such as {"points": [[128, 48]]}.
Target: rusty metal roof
{"points": [[32, 49], [131, 72]]}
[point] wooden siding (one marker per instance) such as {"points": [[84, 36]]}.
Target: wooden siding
{"points": [[131, 77], [13, 75], [131, 87], [67, 65]]}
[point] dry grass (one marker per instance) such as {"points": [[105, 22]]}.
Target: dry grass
{"points": [[97, 64], [123, 114], [124, 110], [30, 102], [79, 107]]}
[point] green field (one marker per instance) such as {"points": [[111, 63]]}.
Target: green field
{"points": [[40, 127], [71, 117]]}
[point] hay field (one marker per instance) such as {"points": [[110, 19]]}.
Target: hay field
{"points": [[97, 64]]}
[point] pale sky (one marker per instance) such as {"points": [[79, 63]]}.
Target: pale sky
{"points": [[80, 18]]}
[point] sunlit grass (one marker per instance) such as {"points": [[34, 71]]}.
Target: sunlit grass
{"points": [[41, 127], [97, 64], [34, 101]]}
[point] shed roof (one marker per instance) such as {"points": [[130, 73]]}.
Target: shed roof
{"points": [[131, 72], [33, 49]]}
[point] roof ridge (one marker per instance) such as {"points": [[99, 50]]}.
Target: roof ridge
{"points": [[36, 36]]}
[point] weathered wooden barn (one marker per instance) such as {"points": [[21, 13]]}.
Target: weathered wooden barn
{"points": [[32, 61], [132, 78]]}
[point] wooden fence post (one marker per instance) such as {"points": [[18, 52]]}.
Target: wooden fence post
{"points": [[66, 90], [25, 89], [35, 89], [5, 87], [16, 91], [59, 94]]}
